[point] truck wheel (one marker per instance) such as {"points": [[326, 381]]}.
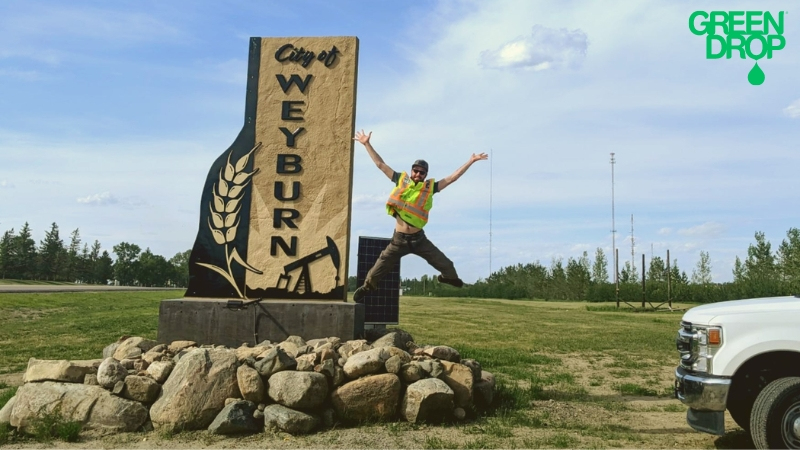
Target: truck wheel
{"points": [[775, 420]]}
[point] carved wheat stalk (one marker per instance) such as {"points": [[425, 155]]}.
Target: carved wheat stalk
{"points": [[224, 219]]}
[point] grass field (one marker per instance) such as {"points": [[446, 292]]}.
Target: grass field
{"points": [[570, 374]]}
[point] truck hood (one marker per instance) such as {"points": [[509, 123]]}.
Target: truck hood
{"points": [[708, 314]]}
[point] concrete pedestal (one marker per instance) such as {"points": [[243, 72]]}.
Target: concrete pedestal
{"points": [[215, 321]]}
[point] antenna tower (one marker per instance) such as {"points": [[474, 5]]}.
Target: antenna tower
{"points": [[633, 250], [613, 226]]}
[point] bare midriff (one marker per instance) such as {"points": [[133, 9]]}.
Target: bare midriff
{"points": [[403, 227]]}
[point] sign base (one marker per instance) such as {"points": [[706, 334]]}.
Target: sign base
{"points": [[234, 322]]}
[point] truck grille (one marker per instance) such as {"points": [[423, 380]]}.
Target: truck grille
{"points": [[687, 345]]}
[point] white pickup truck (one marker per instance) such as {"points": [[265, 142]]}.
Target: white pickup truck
{"points": [[743, 356]]}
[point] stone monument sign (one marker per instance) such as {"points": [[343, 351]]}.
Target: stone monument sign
{"points": [[275, 207]]}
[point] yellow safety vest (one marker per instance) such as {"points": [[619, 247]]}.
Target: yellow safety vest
{"points": [[411, 201]]}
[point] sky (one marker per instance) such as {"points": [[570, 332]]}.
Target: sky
{"points": [[111, 114]]}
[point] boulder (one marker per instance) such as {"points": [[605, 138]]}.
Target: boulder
{"points": [[298, 390], [160, 370], [400, 353], [110, 372], [245, 352], [251, 385], [327, 368], [237, 417], [108, 351], [306, 362], [176, 346], [275, 360], [430, 366], [59, 370], [369, 398], [411, 372], [141, 389], [394, 364], [483, 390], [195, 392], [133, 348], [93, 406], [475, 367], [286, 419], [428, 400], [396, 338], [459, 378], [5, 411], [365, 363], [91, 379], [350, 348], [443, 352]]}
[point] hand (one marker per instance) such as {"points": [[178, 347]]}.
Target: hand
{"points": [[478, 157], [362, 137]]}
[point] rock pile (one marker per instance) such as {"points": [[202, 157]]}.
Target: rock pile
{"points": [[295, 386]]}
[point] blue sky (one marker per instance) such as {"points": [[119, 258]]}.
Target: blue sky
{"points": [[111, 114]]}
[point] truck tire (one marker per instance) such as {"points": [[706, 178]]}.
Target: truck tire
{"points": [[775, 419]]}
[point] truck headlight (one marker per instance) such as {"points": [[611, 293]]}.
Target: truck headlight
{"points": [[706, 343]]}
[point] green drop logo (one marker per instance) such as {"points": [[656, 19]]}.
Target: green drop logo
{"points": [[756, 75]]}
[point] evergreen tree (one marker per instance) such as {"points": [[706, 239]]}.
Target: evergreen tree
{"points": [[102, 269], [72, 262], [24, 254], [52, 254], [760, 264], [6, 253]]}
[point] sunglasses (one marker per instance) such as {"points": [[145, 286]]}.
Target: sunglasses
{"points": [[421, 172]]}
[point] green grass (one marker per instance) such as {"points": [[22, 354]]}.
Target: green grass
{"points": [[532, 347], [72, 325]]}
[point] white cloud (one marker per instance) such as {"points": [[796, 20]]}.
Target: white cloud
{"points": [[665, 231], [104, 198], [793, 110], [6, 184], [706, 230], [545, 48]]}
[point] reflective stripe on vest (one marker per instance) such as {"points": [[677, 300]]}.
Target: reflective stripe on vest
{"points": [[411, 201]]}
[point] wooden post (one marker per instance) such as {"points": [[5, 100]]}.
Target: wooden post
{"points": [[669, 283]]}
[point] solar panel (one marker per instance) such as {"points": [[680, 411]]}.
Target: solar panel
{"points": [[382, 305]]}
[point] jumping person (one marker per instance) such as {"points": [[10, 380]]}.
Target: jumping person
{"points": [[409, 203]]}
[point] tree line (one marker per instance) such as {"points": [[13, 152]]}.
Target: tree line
{"points": [[763, 273], [78, 262]]}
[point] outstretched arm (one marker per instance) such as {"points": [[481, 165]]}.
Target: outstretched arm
{"points": [[376, 158], [448, 180]]}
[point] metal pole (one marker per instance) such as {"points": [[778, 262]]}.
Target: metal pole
{"points": [[613, 225], [616, 277], [644, 291]]}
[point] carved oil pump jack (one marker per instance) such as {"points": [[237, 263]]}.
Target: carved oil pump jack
{"points": [[304, 280]]}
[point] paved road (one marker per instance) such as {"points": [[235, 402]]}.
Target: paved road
{"points": [[28, 288]]}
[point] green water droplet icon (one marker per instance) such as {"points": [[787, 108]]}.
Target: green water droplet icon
{"points": [[756, 75]]}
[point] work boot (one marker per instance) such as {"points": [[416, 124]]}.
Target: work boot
{"points": [[451, 281], [360, 293]]}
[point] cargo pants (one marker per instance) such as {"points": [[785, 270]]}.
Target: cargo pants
{"points": [[401, 245]]}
